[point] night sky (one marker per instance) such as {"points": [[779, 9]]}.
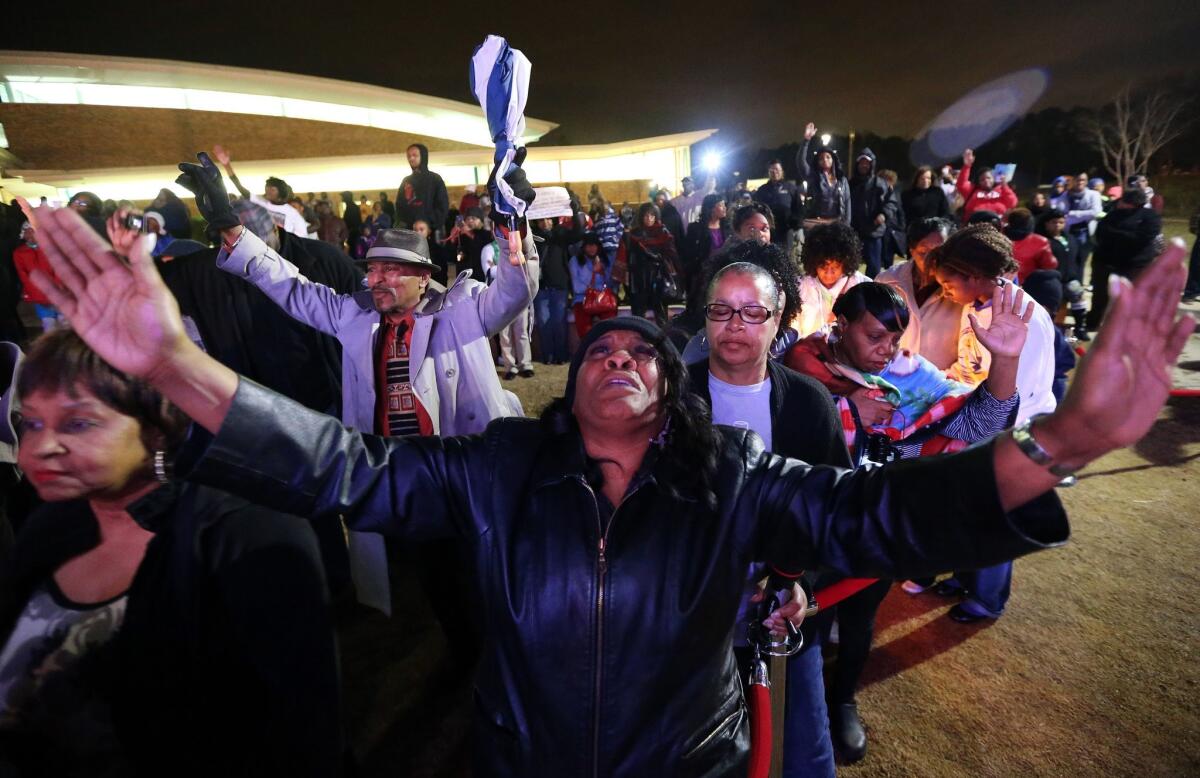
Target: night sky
{"points": [[611, 71]]}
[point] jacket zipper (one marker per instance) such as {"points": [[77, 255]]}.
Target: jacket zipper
{"points": [[601, 580]]}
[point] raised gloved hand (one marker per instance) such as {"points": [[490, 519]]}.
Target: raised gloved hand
{"points": [[516, 180], [212, 200]]}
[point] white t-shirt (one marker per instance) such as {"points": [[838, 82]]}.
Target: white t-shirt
{"points": [[284, 215], [744, 407], [1035, 370]]}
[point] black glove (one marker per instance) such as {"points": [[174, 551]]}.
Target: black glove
{"points": [[204, 181], [516, 179]]}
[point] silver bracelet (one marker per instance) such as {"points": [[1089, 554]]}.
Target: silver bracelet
{"points": [[1022, 435], [162, 470], [229, 247]]}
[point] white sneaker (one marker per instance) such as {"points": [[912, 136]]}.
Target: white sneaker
{"points": [[912, 587]]}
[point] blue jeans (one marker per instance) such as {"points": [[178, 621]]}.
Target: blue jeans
{"points": [[807, 747], [550, 311], [872, 255], [987, 589]]}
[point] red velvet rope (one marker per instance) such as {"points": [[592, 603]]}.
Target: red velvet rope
{"points": [[760, 731], [834, 593]]}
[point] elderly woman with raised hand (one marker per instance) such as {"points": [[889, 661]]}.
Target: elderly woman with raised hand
{"points": [[151, 627], [896, 404], [612, 539]]}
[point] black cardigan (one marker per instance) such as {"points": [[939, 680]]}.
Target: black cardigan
{"points": [[804, 421]]}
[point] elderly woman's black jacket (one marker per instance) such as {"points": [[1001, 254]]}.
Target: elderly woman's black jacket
{"points": [[608, 633], [225, 663]]}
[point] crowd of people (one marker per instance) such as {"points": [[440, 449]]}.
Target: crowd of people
{"points": [[163, 609]]}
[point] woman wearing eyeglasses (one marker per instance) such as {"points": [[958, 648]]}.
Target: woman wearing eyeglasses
{"points": [[745, 309]]}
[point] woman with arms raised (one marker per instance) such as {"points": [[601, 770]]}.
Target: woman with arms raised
{"points": [[612, 538]]}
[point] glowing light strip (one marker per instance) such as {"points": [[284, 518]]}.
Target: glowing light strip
{"points": [[448, 125], [361, 175]]}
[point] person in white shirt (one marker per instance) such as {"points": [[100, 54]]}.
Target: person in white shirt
{"points": [[275, 197], [969, 266], [688, 204], [831, 258], [934, 321]]}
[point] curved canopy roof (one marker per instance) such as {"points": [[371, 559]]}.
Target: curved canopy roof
{"points": [[79, 79]]}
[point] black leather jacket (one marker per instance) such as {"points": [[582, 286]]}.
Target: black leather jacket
{"points": [[608, 634]]}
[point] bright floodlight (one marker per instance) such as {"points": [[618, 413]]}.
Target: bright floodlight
{"points": [[712, 161], [825, 138]]}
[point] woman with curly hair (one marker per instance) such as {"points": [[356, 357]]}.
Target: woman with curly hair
{"points": [[831, 258]]}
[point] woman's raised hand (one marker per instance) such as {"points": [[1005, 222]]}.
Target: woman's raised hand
{"points": [[118, 304], [1125, 378], [1005, 336]]}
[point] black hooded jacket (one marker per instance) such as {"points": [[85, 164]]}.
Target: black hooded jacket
{"points": [[1127, 239], [870, 196], [820, 205], [422, 195]]}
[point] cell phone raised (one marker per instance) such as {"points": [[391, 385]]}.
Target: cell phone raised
{"points": [[134, 221]]}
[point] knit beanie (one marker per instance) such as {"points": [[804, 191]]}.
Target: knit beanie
{"points": [[649, 331]]}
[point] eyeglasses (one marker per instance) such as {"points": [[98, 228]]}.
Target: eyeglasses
{"points": [[751, 314]]}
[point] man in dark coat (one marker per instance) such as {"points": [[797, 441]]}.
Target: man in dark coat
{"points": [[243, 328], [872, 206], [782, 197], [422, 193]]}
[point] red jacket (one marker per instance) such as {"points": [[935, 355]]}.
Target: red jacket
{"points": [[1032, 253], [26, 259], [811, 357], [999, 198]]}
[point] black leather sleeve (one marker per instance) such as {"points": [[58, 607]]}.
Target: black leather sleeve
{"points": [[907, 519], [277, 453]]}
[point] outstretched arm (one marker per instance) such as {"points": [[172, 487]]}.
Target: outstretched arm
{"points": [[267, 448], [227, 162], [883, 521], [1120, 385]]}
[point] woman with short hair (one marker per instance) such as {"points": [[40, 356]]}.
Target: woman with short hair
{"points": [[148, 626]]}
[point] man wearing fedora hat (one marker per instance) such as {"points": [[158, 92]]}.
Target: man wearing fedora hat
{"points": [[416, 357]]}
